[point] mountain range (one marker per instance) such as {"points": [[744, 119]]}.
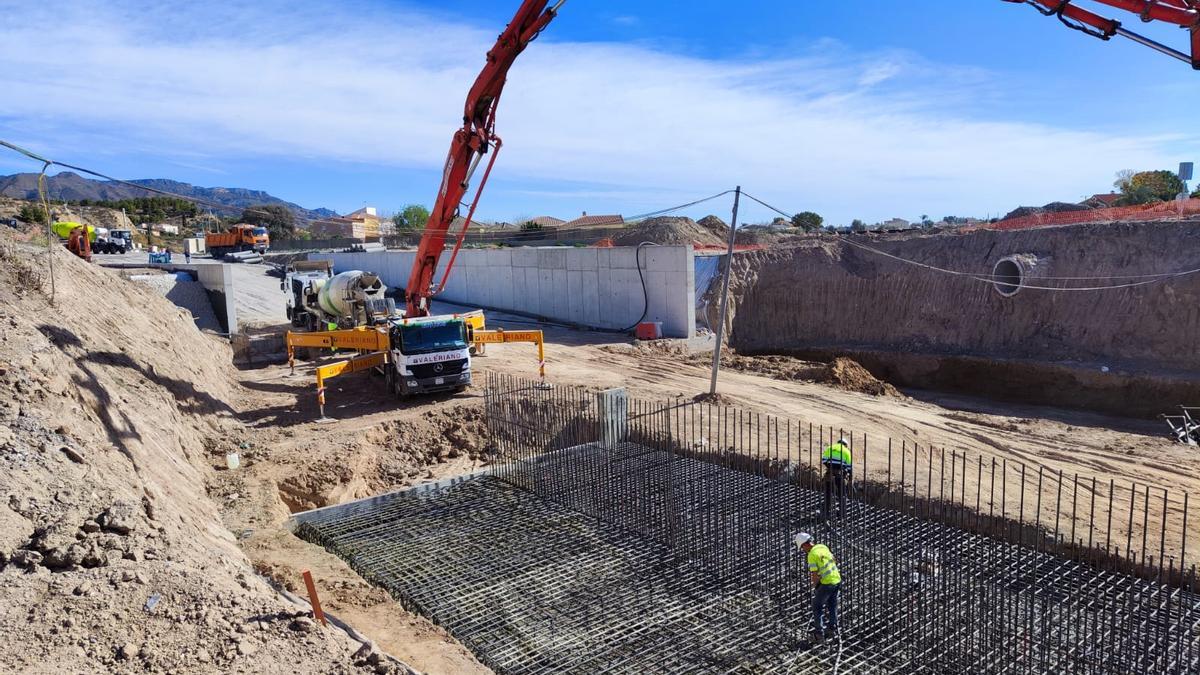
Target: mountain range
{"points": [[72, 187]]}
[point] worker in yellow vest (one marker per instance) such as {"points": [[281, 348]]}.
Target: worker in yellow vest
{"points": [[839, 469], [827, 585]]}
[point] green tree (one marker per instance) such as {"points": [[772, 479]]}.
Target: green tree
{"points": [[858, 226], [278, 219], [412, 217], [1148, 187], [807, 221], [33, 213], [530, 226]]}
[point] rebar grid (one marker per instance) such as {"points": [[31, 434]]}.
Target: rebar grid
{"points": [[585, 552]]}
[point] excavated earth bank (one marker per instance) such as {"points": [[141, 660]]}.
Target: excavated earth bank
{"points": [[1128, 351], [112, 556]]}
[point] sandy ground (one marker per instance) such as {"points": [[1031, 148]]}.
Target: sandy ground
{"points": [[341, 460], [376, 444]]}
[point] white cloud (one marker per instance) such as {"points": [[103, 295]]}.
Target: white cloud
{"points": [[848, 135], [879, 73]]}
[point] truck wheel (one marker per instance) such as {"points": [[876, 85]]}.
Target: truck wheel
{"points": [[397, 388]]}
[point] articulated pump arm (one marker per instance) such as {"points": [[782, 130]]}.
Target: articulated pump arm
{"points": [[471, 142], [477, 135], [1182, 13]]}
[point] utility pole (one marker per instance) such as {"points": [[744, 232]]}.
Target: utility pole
{"points": [[737, 196]]}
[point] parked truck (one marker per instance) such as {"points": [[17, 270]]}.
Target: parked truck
{"points": [[317, 299], [110, 241], [237, 238], [428, 355]]}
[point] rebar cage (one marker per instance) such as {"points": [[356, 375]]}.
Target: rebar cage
{"points": [[617, 535]]}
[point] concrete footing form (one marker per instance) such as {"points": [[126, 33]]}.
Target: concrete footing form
{"points": [[611, 537]]}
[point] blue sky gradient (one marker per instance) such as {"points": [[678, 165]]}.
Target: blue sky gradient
{"points": [[855, 110]]}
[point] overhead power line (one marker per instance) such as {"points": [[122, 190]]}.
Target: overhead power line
{"points": [[166, 193], [1146, 279]]}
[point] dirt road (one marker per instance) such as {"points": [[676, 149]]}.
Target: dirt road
{"points": [[377, 444]]}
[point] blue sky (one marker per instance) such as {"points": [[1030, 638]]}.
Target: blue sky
{"points": [[869, 110]]}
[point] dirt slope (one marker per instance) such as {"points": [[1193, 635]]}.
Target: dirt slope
{"points": [[112, 555]]}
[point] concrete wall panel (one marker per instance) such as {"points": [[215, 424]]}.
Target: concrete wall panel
{"points": [[597, 287]]}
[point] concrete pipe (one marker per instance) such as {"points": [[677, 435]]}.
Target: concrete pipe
{"points": [[1012, 272]]}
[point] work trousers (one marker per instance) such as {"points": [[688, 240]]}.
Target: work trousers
{"points": [[837, 480], [824, 604]]}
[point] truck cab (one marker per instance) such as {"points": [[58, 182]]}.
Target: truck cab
{"points": [[255, 237], [428, 355], [301, 292], [122, 238], [109, 241], [238, 238]]}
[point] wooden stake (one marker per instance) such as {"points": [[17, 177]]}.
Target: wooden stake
{"points": [[312, 598]]}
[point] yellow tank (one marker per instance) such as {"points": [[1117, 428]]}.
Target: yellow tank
{"points": [[64, 228]]}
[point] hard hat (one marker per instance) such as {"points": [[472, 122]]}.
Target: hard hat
{"points": [[842, 440], [802, 539]]}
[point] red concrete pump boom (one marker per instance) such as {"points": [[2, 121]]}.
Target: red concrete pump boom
{"points": [[477, 136], [1182, 13]]}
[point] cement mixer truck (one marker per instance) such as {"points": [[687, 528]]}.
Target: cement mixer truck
{"points": [[318, 299]]}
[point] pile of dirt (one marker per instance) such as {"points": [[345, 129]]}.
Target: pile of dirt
{"points": [[842, 373], [389, 456], [112, 557], [848, 374], [718, 227], [649, 348], [714, 399], [776, 367], [1052, 207], [667, 230]]}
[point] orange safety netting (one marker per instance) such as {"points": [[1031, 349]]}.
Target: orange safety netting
{"points": [[1186, 207]]}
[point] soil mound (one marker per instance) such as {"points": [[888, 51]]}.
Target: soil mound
{"points": [[713, 224], [842, 373], [714, 399], [387, 457], [112, 555], [848, 374], [667, 230]]}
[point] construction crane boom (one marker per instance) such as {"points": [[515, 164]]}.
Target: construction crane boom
{"points": [[475, 139]]}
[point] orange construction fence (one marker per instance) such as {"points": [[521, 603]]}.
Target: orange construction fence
{"points": [[1186, 207]]}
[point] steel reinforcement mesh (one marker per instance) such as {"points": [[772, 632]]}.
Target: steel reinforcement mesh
{"points": [[607, 538]]}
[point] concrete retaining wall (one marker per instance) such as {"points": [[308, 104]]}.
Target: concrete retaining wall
{"points": [[597, 287], [218, 281]]}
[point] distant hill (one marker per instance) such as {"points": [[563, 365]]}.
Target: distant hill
{"points": [[72, 187]]}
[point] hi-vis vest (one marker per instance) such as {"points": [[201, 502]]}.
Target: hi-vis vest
{"points": [[837, 455], [820, 561]]}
